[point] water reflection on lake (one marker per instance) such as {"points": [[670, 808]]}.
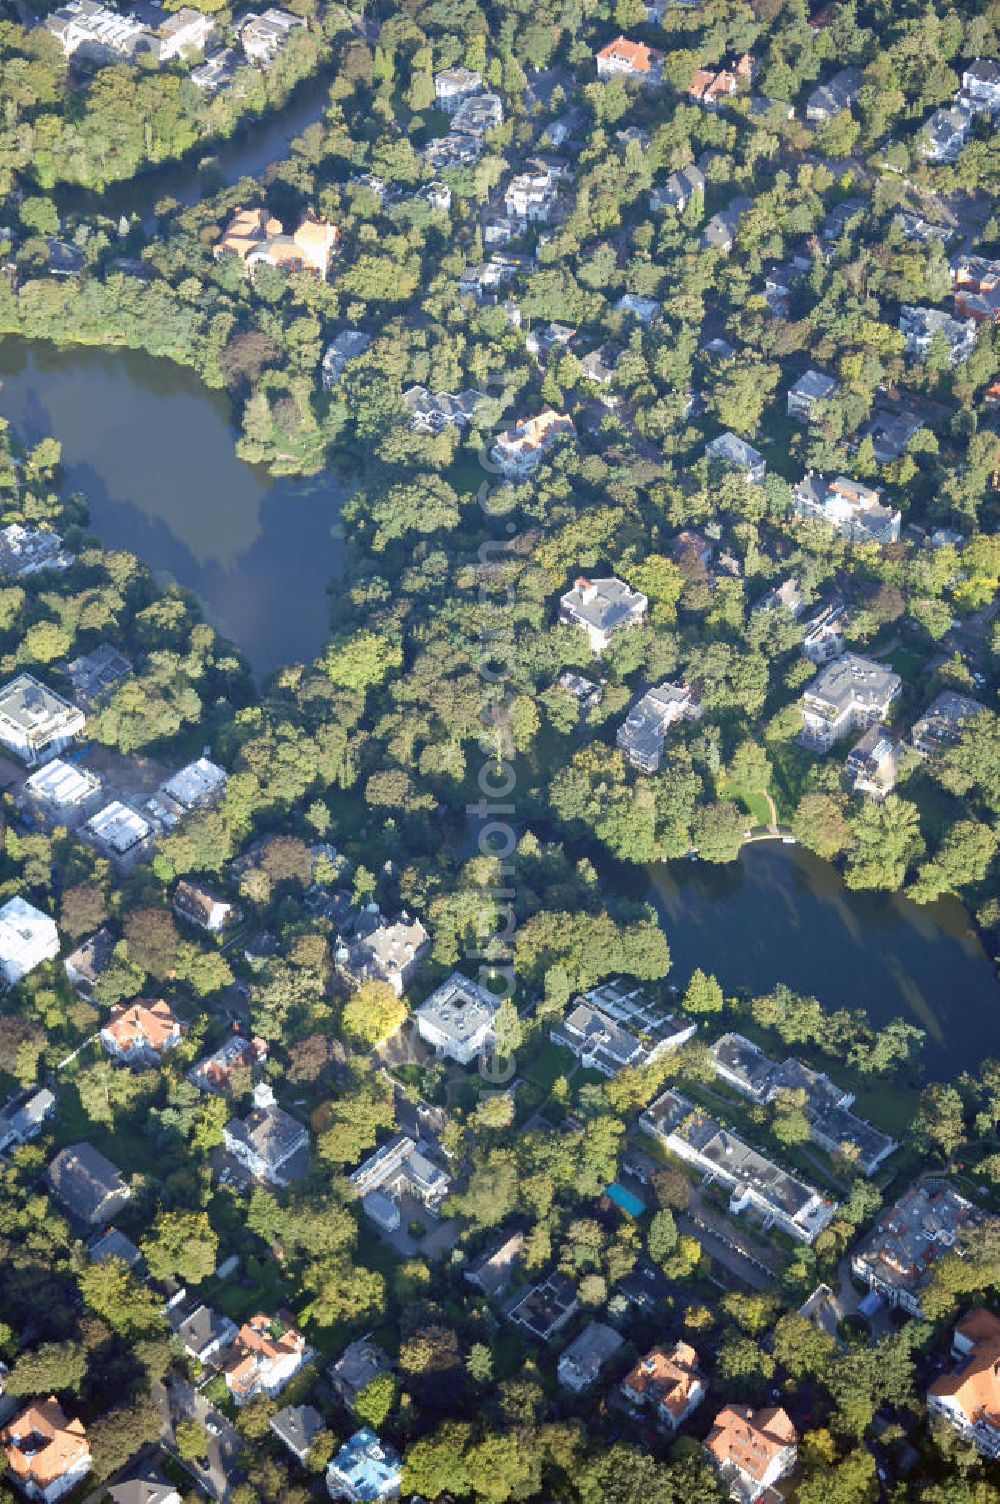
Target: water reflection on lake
{"points": [[151, 449], [782, 915]]}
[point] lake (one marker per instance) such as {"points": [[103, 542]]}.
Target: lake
{"points": [[781, 914], [151, 449]]}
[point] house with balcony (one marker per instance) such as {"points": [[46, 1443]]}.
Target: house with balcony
{"points": [[257, 238], [921, 326], [642, 736], [667, 1383], [873, 763], [36, 724], [752, 1450], [265, 1355], [401, 1168], [849, 694], [823, 636], [613, 1027], [928, 1222], [457, 1019], [263, 36], [269, 1143], [968, 1396], [518, 451], [602, 608], [380, 949], [852, 509], [454, 85], [943, 722], [624, 59], [141, 1033]]}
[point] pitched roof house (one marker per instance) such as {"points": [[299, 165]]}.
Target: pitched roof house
{"points": [[668, 1382], [623, 58], [141, 1033], [383, 950], [602, 607], [968, 1397], [753, 1449], [256, 237], [519, 450], [87, 1184], [270, 1143], [35, 722], [198, 906], [263, 1358], [47, 1453]]}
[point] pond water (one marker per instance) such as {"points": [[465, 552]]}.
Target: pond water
{"points": [[151, 449], [781, 914]]}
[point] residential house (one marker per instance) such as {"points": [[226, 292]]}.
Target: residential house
{"points": [[736, 454], [812, 386], [264, 1356], [476, 116], [678, 191], [548, 339], [494, 1272], [383, 950], [90, 960], [218, 70], [118, 828], [35, 722], [184, 34], [433, 412], [977, 288], [454, 85], [823, 639], [24, 1117], [269, 1143], [453, 150], [519, 450], [297, 1427], [580, 1365], [943, 722], [752, 1449], [602, 607], [205, 1334], [835, 96], [613, 1027], [365, 1470], [457, 1018], [201, 907], [263, 36], [148, 1487], [719, 234], [968, 1397], [27, 550], [402, 1167], [944, 134], [921, 326], [98, 34], [668, 1383], [784, 597], [213, 1072], [27, 939], [94, 675], [112, 1244], [928, 1222], [755, 1183], [255, 237], [546, 1307], [624, 59], [348, 346], [88, 1185], [648, 311], [890, 433], [359, 1365], [981, 85], [873, 763], [62, 787], [642, 736], [849, 694], [47, 1453], [852, 509], [532, 195], [141, 1033], [744, 1066]]}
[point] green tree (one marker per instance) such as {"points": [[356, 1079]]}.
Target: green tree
{"points": [[182, 1243], [703, 994]]}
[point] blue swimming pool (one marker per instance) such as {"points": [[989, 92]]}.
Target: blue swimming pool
{"points": [[625, 1199]]}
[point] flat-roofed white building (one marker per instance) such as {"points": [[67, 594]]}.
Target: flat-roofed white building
{"points": [[119, 828], [457, 1018], [27, 938], [196, 784], [35, 722], [61, 785]]}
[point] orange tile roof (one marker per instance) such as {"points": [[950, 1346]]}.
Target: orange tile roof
{"points": [[255, 1351], [637, 55], [42, 1445], [750, 1439], [700, 83], [975, 1383], [142, 1025], [669, 1377]]}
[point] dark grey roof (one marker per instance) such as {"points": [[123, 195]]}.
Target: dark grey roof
{"points": [[84, 1180], [149, 1488], [298, 1427]]}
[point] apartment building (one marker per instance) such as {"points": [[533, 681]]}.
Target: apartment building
{"points": [[849, 694], [853, 510]]}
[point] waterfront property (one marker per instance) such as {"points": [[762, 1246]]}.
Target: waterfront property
{"points": [[754, 1183], [752, 1449], [28, 550], [602, 607], [745, 1067], [36, 723], [457, 1019], [263, 36], [849, 694], [929, 1221], [668, 1383], [614, 1026], [968, 1397], [873, 763], [580, 1365], [256, 238], [642, 736]]}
